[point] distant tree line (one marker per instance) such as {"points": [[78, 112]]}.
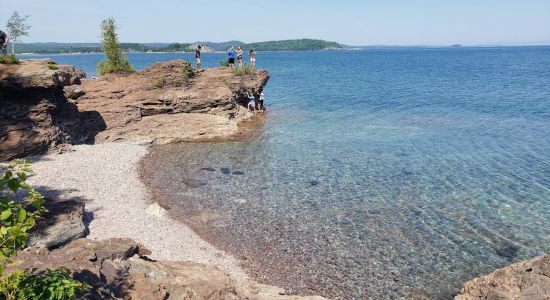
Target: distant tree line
{"points": [[286, 45]]}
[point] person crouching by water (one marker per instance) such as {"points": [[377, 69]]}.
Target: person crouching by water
{"points": [[252, 54], [240, 57], [198, 58], [251, 102], [4, 40], [231, 57]]}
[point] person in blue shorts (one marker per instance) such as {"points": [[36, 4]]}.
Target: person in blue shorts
{"points": [[231, 56]]}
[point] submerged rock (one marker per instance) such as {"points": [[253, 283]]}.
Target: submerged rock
{"points": [[509, 251], [208, 169], [314, 182]]}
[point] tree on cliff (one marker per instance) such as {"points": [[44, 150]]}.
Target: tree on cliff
{"points": [[17, 27], [115, 60]]}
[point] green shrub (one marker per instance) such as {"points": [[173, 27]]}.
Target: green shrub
{"points": [[160, 82], [10, 60], [51, 284], [10, 284], [187, 71], [115, 60], [177, 79], [246, 70], [17, 217], [52, 66], [224, 63]]}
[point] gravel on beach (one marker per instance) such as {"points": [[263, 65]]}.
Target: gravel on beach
{"points": [[106, 178]]}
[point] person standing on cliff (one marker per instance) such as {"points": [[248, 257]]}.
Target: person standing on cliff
{"points": [[231, 56], [252, 54], [4, 40], [198, 58], [240, 57]]}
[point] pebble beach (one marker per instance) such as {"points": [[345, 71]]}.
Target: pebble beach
{"points": [[106, 178]]}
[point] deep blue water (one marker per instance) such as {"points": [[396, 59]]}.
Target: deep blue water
{"points": [[379, 173]]}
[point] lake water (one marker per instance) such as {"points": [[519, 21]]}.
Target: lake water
{"points": [[378, 174]]}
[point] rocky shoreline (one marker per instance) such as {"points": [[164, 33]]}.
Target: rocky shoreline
{"points": [[133, 249]]}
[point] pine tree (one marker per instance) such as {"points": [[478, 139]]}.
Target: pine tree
{"points": [[115, 60]]}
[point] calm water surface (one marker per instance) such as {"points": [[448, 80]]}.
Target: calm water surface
{"points": [[379, 174]]}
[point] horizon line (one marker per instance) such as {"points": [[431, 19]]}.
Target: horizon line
{"points": [[524, 44]]}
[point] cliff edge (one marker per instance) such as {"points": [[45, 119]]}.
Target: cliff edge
{"points": [[169, 102], [34, 112], [44, 105]]}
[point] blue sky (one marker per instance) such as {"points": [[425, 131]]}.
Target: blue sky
{"points": [[353, 22]]}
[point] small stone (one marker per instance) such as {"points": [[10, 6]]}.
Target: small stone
{"points": [[156, 210]]}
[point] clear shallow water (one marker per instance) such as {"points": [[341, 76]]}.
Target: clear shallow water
{"points": [[378, 174]]}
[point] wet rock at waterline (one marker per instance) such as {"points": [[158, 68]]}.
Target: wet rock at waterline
{"points": [[525, 280]]}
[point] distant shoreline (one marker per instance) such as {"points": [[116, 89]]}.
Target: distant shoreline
{"points": [[363, 48], [281, 45]]}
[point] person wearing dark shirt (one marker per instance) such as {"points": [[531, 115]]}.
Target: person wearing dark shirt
{"points": [[4, 40], [198, 57], [231, 55]]}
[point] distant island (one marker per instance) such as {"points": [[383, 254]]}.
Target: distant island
{"points": [[283, 45]]}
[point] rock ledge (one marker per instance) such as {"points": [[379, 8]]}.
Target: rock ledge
{"points": [[119, 269], [524, 280]]}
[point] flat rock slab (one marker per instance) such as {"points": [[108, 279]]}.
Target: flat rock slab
{"points": [[38, 73], [172, 128], [64, 222]]}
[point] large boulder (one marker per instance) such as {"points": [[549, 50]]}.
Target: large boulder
{"points": [[119, 269], [524, 280], [64, 222], [34, 113]]}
